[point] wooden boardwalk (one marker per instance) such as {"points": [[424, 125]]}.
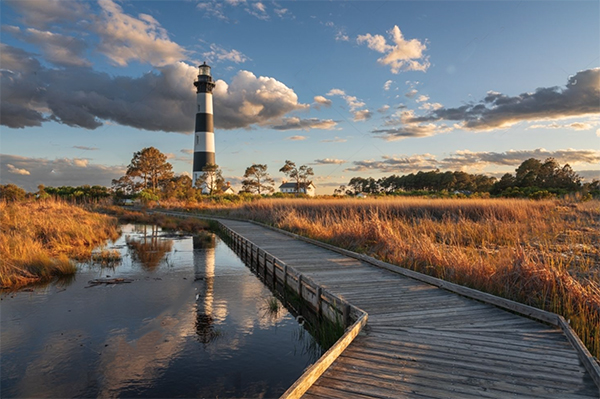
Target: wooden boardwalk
{"points": [[425, 342]]}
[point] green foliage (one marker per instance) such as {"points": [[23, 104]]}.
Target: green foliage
{"points": [[211, 181], [300, 175], [77, 194], [257, 180]]}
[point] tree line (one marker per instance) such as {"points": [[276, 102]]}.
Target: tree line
{"points": [[533, 178]]}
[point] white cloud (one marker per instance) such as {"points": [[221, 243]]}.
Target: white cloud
{"points": [[218, 53], [387, 85], [249, 99], [187, 151], [329, 161], [17, 171], [124, 38], [297, 138], [383, 109], [411, 93], [401, 55], [58, 49], [422, 98], [320, 100], [336, 92], [258, 10], [401, 125], [361, 115], [431, 106]]}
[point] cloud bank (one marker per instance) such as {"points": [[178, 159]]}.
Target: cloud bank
{"points": [[160, 100], [580, 97]]}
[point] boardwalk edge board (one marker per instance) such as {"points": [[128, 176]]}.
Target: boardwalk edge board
{"points": [[589, 362]]}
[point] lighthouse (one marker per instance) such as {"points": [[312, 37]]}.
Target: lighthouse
{"points": [[204, 136]]}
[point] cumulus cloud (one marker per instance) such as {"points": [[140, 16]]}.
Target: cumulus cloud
{"points": [[58, 49], [124, 38], [295, 123], [297, 138], [162, 99], [430, 106], [361, 115], [218, 54], [383, 109], [387, 85], [422, 98], [251, 100], [411, 93], [401, 55], [17, 171], [580, 97], [320, 100], [329, 161], [57, 172], [41, 14], [468, 160]]}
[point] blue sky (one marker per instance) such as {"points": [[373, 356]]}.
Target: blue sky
{"points": [[352, 88]]}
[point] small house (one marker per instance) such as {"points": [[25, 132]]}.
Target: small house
{"points": [[295, 188]]}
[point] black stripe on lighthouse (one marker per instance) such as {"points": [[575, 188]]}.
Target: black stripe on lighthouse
{"points": [[204, 123]]}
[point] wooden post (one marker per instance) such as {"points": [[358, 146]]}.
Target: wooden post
{"points": [[300, 285], [284, 275], [346, 315], [319, 301]]}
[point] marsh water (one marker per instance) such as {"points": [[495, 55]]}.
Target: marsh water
{"points": [[192, 322]]}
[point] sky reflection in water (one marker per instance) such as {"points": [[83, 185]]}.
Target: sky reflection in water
{"points": [[195, 322]]}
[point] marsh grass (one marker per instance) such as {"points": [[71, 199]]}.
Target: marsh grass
{"points": [[40, 239], [542, 253]]}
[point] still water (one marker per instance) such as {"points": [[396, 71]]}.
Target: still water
{"points": [[194, 322]]}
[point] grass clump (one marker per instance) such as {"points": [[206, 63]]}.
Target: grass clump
{"points": [[39, 239]]}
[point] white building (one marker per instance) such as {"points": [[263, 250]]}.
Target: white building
{"points": [[294, 188]]}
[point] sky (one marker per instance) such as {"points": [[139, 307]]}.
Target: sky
{"points": [[350, 88]]}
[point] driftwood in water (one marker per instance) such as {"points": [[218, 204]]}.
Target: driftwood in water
{"points": [[98, 281]]}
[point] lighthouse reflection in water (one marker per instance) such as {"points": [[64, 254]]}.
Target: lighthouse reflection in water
{"points": [[193, 322]]}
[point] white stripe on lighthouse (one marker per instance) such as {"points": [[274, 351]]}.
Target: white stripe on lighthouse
{"points": [[205, 103], [205, 142]]}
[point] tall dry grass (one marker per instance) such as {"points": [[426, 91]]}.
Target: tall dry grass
{"points": [[38, 239], [542, 253]]}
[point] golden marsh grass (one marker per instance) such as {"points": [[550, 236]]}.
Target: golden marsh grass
{"points": [[38, 239]]}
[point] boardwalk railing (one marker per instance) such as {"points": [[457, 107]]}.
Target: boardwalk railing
{"points": [[322, 301]]}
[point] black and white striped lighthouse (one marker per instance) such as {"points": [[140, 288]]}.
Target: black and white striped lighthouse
{"points": [[204, 140]]}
